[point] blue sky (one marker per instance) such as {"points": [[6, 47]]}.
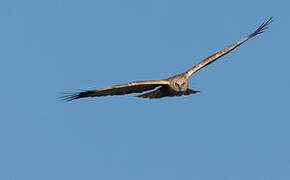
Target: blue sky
{"points": [[236, 128]]}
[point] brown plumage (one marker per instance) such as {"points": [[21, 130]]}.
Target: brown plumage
{"points": [[173, 86]]}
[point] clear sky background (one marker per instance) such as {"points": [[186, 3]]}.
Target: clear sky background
{"points": [[237, 128]]}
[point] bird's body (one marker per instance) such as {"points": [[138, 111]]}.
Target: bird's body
{"points": [[174, 86], [178, 83]]}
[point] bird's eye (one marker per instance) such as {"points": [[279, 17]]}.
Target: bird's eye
{"points": [[176, 84], [183, 84]]}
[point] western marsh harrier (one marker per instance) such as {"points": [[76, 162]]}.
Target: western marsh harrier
{"points": [[173, 86]]}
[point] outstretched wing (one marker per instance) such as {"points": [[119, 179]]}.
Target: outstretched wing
{"points": [[165, 92], [120, 89], [214, 57]]}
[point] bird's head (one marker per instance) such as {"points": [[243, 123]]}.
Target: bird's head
{"points": [[179, 85]]}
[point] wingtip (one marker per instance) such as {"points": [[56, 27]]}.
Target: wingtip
{"points": [[69, 97], [261, 29]]}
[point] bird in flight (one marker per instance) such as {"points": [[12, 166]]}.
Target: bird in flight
{"points": [[173, 86]]}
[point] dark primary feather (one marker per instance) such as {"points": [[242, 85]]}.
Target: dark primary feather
{"points": [[262, 27]]}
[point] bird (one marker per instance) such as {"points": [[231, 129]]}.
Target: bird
{"points": [[173, 86]]}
